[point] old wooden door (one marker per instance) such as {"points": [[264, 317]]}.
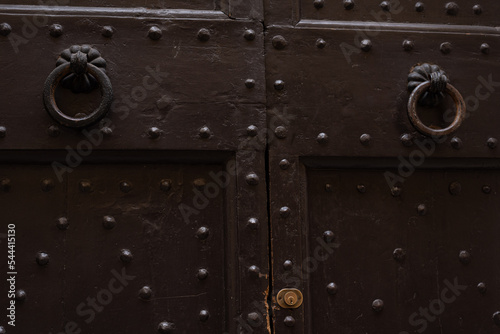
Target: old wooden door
{"points": [[385, 225], [152, 217]]}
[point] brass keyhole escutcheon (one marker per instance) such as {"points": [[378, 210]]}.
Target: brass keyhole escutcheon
{"points": [[289, 298]]}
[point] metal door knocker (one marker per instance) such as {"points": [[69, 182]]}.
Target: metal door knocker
{"points": [[81, 69], [427, 84]]}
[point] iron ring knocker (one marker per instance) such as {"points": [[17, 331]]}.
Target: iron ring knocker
{"points": [[80, 66], [429, 85]]}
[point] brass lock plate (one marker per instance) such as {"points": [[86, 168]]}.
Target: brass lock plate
{"points": [[289, 298]]}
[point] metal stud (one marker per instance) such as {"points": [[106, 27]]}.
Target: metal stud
{"points": [[328, 236], [107, 31], [396, 191], [253, 317], [328, 188], [250, 83], [408, 45], [126, 256], [422, 209], [285, 212], [253, 223], [204, 132], [322, 138], [252, 130], [249, 34], [445, 47], [451, 8], [332, 288], [165, 327], [456, 143], [399, 254], [203, 233], [154, 132], [365, 139], [5, 29], [496, 318], [165, 185], [366, 45], [288, 265], [42, 258], [385, 5], [56, 30], [455, 188], [419, 7], [492, 143], [47, 184], [252, 179], [108, 222], [145, 293], [5, 185], [378, 305], [319, 4], [85, 186], [20, 295], [2, 330], [464, 257], [62, 223], [3, 131], [202, 274], [279, 42], [407, 139], [289, 321], [482, 287], [53, 131], [199, 183], [320, 43], [485, 48], [254, 271], [280, 132], [125, 186], [361, 188], [106, 130], [284, 164], [204, 315], [279, 85], [486, 189], [348, 4], [204, 34], [477, 9]]}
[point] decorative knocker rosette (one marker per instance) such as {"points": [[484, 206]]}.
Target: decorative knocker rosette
{"points": [[428, 84], [81, 69]]}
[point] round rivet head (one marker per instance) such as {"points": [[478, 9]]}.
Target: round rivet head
{"points": [[47, 185], [125, 186], [3, 131], [279, 85], [289, 321], [486, 189], [464, 257], [252, 179], [451, 8], [365, 139], [42, 258], [107, 131], [280, 132], [477, 9], [165, 185], [108, 222], [492, 143], [5, 29], [378, 305], [107, 31], [322, 138], [253, 317], [20, 295], [485, 48], [385, 5], [204, 132], [481, 287], [165, 327], [328, 188], [328, 236], [253, 223], [399, 254], [396, 191], [85, 186], [202, 274], [155, 33], [250, 83], [320, 43], [455, 188], [154, 132], [53, 131], [284, 164], [419, 7], [249, 34], [199, 183], [2, 330], [204, 315], [203, 34], [254, 271], [332, 288], [361, 188], [285, 212], [348, 4], [366, 45], [62, 223], [445, 47], [496, 318], [203, 233], [252, 131], [279, 42], [407, 139], [126, 256], [5, 185], [288, 265], [56, 30], [456, 143], [408, 45], [421, 209], [319, 4], [145, 293]]}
